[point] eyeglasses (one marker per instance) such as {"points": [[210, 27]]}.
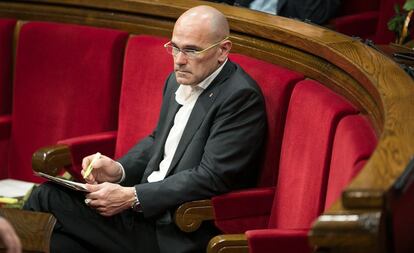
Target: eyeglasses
{"points": [[190, 53]]}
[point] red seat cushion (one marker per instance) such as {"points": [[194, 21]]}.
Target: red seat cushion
{"points": [[313, 114], [142, 87], [354, 142], [67, 81]]}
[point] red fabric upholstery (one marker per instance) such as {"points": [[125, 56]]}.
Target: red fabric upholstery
{"points": [[276, 84], [82, 146], [383, 35], [53, 63], [142, 86], [5, 126], [363, 25], [237, 212], [313, 114], [358, 18], [278, 240], [6, 52], [354, 142]]}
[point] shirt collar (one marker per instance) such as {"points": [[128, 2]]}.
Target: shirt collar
{"points": [[185, 92]]}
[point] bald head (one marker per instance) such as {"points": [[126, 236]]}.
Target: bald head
{"points": [[201, 29], [204, 19]]}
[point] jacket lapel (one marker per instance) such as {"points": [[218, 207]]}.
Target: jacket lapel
{"points": [[202, 106]]}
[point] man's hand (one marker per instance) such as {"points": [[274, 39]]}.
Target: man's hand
{"points": [[104, 170], [9, 237], [109, 199]]}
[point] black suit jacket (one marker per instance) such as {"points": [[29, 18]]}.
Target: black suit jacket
{"points": [[219, 151]]}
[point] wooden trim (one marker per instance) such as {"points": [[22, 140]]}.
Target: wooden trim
{"points": [[235, 243], [34, 229], [51, 159], [190, 215]]}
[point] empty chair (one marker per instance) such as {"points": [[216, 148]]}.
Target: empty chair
{"points": [[354, 142], [67, 82], [288, 209]]}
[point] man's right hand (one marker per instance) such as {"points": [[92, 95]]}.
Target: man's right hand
{"points": [[104, 170]]}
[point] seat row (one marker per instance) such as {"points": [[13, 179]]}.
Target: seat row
{"points": [[91, 89]]}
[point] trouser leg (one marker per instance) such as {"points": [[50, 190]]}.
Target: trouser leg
{"points": [[79, 226]]}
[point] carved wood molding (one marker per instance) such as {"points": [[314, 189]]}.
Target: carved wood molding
{"points": [[190, 215]]}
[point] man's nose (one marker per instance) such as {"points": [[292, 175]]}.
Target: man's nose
{"points": [[180, 58]]}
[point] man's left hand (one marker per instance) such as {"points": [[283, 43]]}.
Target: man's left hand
{"points": [[109, 199]]}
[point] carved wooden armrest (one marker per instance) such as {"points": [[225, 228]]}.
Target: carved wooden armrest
{"points": [[51, 159], [347, 230], [234, 243], [33, 228], [190, 215]]}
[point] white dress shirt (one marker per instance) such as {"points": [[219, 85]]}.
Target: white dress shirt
{"points": [[186, 95]]}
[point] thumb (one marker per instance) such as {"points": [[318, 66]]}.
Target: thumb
{"points": [[93, 187]]}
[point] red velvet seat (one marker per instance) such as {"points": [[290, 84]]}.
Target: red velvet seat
{"points": [[53, 63], [140, 103], [6, 52], [287, 210], [358, 18], [355, 140]]}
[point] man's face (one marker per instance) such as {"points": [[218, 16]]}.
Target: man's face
{"points": [[192, 70]]}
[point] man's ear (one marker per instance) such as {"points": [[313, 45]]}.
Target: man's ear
{"points": [[224, 50]]}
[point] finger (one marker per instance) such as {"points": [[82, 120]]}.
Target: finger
{"points": [[86, 161]]}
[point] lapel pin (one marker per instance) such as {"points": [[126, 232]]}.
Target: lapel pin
{"points": [[211, 94]]}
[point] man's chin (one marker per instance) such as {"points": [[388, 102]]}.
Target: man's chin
{"points": [[184, 81]]}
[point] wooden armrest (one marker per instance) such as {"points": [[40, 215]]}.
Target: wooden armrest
{"points": [[235, 243], [51, 159], [347, 230], [33, 228], [189, 216]]}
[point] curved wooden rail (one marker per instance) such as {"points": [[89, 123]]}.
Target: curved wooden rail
{"points": [[370, 80]]}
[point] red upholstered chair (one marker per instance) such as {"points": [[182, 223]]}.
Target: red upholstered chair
{"points": [[6, 52], [354, 142], [67, 81], [141, 94], [287, 210], [358, 18]]}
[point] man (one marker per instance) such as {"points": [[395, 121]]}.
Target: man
{"points": [[9, 237], [207, 142]]}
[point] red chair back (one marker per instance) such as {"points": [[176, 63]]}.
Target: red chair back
{"points": [[313, 114], [142, 86], [354, 142], [276, 84], [67, 81], [6, 61]]}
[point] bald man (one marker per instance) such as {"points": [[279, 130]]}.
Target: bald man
{"points": [[207, 142]]}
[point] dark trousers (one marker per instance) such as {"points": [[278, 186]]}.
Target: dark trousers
{"points": [[81, 229]]}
